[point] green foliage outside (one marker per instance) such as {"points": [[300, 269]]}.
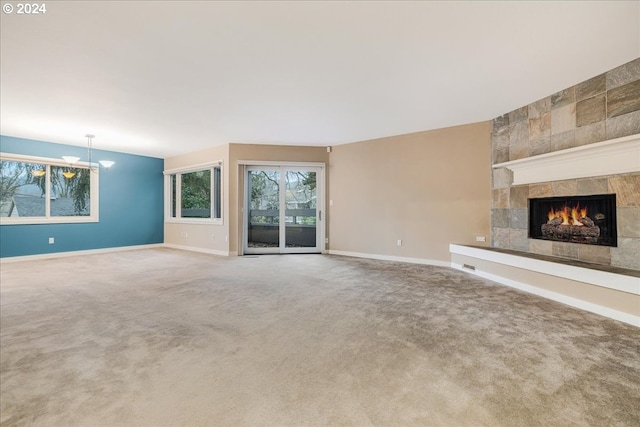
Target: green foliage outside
{"points": [[196, 193]]}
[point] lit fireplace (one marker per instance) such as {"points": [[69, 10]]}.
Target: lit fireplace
{"points": [[580, 219]]}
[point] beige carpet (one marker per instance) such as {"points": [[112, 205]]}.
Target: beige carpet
{"points": [[168, 338]]}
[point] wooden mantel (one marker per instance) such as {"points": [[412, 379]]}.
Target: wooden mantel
{"points": [[611, 157]]}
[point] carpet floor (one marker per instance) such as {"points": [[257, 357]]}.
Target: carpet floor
{"points": [[162, 337]]}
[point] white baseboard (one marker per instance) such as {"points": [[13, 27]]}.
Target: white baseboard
{"points": [[573, 302], [196, 249], [77, 253], [391, 258]]}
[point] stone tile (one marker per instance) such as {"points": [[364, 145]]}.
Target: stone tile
{"points": [[540, 146], [519, 133], [500, 198], [626, 189], [563, 98], [502, 178], [626, 254], [563, 119], [624, 99], [595, 254], [595, 132], [519, 150], [500, 141], [591, 110], [567, 187], [540, 247], [540, 127], [500, 238], [565, 250], [518, 115], [518, 240], [501, 124], [591, 87], [500, 218], [623, 74], [539, 107], [540, 190], [589, 186], [500, 155], [519, 219], [628, 124], [628, 222], [519, 196], [564, 140]]}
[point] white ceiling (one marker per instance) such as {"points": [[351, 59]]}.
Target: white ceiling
{"points": [[166, 78]]}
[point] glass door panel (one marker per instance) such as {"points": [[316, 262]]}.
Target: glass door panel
{"points": [[283, 209], [264, 210], [300, 217]]}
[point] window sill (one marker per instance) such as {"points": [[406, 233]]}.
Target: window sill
{"points": [[57, 220], [194, 221]]}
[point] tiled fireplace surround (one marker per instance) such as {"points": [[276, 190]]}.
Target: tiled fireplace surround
{"points": [[603, 108]]}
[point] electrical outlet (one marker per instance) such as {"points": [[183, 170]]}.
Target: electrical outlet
{"points": [[51, 240], [481, 239], [399, 242], [326, 240]]}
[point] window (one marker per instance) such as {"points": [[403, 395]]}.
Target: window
{"points": [[37, 190], [194, 194]]}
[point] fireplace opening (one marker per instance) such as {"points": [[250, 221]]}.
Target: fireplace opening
{"points": [[589, 220]]}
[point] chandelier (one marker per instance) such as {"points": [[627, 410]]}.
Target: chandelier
{"points": [[71, 160]]}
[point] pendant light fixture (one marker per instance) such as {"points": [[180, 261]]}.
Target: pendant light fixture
{"points": [[73, 159]]}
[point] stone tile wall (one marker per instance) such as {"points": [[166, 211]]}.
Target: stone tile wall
{"points": [[604, 107]]}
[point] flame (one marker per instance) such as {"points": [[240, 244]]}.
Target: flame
{"points": [[575, 219], [569, 216]]}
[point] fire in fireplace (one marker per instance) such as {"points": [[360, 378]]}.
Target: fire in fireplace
{"points": [[588, 220]]}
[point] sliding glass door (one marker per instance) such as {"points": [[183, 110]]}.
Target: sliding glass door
{"points": [[282, 213]]}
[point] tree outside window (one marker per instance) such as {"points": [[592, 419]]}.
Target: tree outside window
{"points": [[41, 190]]}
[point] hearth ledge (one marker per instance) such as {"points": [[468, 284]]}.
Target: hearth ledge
{"points": [[605, 279], [611, 157]]}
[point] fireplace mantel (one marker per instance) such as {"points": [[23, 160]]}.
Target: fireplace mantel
{"points": [[615, 156]]}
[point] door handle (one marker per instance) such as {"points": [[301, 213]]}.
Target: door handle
{"points": [[319, 215]]}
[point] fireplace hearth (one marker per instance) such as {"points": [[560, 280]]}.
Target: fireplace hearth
{"points": [[589, 220]]}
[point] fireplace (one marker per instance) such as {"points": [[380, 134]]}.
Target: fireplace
{"points": [[589, 220]]}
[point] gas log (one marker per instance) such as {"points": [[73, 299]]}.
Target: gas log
{"points": [[555, 230]]}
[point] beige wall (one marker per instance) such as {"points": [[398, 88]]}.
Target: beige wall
{"points": [[260, 153], [208, 237], [428, 189]]}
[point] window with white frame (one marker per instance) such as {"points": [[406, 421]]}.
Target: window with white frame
{"points": [[194, 194], [36, 190]]}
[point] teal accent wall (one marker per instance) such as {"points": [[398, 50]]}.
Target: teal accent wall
{"points": [[131, 204]]}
